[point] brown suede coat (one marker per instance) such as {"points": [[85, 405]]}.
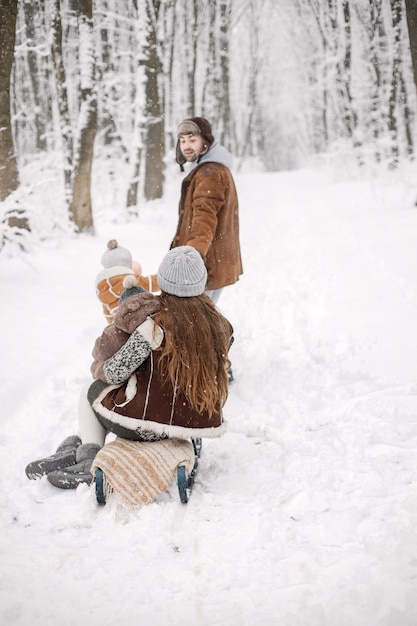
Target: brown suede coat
{"points": [[209, 221], [155, 408], [146, 405]]}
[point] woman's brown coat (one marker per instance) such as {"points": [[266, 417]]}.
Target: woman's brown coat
{"points": [[143, 404]]}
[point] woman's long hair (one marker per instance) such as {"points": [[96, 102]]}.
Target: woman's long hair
{"points": [[194, 352]]}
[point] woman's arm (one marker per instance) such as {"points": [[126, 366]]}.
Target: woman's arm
{"points": [[147, 337]]}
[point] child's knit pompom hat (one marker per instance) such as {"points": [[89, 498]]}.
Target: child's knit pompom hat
{"points": [[182, 272], [115, 255], [131, 288]]}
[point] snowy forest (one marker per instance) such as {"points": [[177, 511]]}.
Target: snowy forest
{"points": [[93, 88], [305, 511]]}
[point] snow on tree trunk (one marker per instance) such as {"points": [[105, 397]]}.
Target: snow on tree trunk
{"points": [[211, 84], [62, 98], [170, 28], [343, 38], [396, 6], [80, 208], [31, 10], [224, 100], [411, 9], [139, 131], [154, 111], [251, 135], [190, 54], [378, 113], [215, 70]]}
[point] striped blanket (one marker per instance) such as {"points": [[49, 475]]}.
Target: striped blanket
{"points": [[137, 472]]}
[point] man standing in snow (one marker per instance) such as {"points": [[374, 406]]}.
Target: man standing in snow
{"points": [[208, 208]]}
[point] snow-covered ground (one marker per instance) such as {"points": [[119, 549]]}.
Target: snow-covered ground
{"points": [[305, 512]]}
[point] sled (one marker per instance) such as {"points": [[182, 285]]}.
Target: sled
{"points": [[185, 481]]}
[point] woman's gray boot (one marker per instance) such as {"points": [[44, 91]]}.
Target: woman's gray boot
{"points": [[64, 456], [72, 476]]}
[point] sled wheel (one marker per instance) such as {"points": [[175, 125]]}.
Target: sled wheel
{"points": [[182, 481], [101, 498], [197, 445]]}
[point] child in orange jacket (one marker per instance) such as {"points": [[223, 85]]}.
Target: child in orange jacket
{"points": [[118, 263]]}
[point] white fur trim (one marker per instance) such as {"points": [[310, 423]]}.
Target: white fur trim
{"points": [[151, 332], [136, 425], [131, 389]]}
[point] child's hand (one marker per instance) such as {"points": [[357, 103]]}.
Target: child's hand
{"points": [[109, 342], [133, 311]]}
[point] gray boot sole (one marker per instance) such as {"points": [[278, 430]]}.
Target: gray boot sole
{"points": [[79, 473], [63, 457], [71, 477], [67, 480], [36, 469]]}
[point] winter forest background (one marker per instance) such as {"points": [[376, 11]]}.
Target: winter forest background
{"points": [[305, 512], [95, 89]]}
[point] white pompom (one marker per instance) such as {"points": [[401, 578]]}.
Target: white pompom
{"points": [[130, 281]]}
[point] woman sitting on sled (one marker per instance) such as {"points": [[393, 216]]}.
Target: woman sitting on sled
{"points": [[161, 375]]}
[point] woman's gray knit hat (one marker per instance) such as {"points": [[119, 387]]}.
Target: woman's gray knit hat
{"points": [[182, 272]]}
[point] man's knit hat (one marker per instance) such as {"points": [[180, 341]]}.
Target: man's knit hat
{"points": [[131, 288], [182, 272], [193, 126], [115, 255]]}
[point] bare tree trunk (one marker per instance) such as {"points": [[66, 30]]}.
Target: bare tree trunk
{"points": [[132, 192], [29, 9], [80, 208], [411, 10], [323, 139], [350, 115], [9, 177], [105, 65], [154, 107], [408, 116], [395, 80], [225, 14], [377, 83], [216, 84], [170, 28], [211, 84], [252, 134], [62, 97], [138, 133], [190, 55]]}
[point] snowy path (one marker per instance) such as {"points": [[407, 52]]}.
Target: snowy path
{"points": [[305, 512]]}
